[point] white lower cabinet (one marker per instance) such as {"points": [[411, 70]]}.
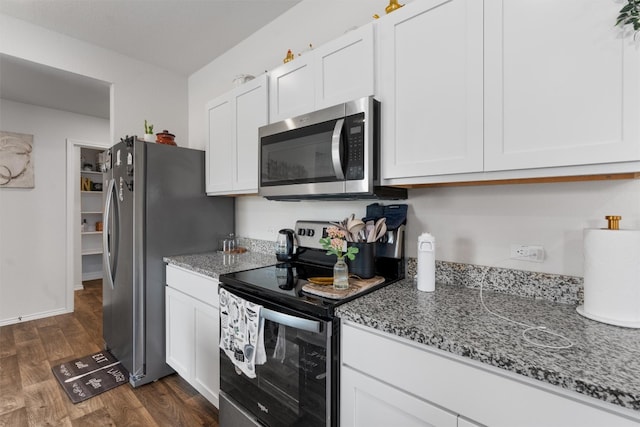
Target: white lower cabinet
{"points": [[387, 380], [193, 328], [367, 402]]}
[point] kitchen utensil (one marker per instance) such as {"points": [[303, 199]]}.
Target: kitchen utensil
{"points": [[373, 235], [369, 226], [354, 226], [286, 245], [381, 230]]}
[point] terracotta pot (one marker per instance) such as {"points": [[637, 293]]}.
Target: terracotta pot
{"points": [[165, 137]]}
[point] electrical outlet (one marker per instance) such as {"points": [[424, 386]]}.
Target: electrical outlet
{"points": [[527, 253]]}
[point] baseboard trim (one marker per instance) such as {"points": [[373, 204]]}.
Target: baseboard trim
{"points": [[35, 316]]}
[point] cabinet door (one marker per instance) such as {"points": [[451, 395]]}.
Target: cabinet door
{"points": [[220, 147], [206, 372], [366, 402], [251, 112], [562, 85], [345, 68], [430, 88], [179, 330], [291, 88]]}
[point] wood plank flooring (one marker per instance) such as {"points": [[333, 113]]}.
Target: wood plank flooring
{"points": [[30, 395]]}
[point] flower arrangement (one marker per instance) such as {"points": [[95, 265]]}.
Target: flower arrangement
{"points": [[336, 244]]}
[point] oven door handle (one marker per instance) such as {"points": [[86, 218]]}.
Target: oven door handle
{"points": [[292, 321]]}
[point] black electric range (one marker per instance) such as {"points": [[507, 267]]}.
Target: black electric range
{"points": [[298, 382], [282, 284]]}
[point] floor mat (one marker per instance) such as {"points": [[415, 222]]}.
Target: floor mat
{"points": [[91, 375]]}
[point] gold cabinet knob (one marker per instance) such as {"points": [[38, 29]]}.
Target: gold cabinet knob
{"points": [[613, 222]]}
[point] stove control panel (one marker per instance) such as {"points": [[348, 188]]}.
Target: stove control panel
{"points": [[309, 233]]}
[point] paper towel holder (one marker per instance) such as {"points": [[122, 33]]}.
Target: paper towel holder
{"points": [[611, 277]]}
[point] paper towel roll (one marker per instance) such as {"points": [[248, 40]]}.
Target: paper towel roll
{"points": [[612, 276]]}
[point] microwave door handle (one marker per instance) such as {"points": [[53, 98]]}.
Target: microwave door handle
{"points": [[335, 149], [292, 321]]}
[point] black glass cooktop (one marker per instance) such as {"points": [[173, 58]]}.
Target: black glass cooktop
{"points": [[281, 284]]}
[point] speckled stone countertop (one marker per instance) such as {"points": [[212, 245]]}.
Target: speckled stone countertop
{"points": [[213, 264], [602, 363]]}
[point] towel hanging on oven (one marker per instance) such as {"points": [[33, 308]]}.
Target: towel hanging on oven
{"points": [[242, 332]]}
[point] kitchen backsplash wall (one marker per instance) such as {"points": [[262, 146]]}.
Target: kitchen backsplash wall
{"points": [[550, 287], [477, 225]]}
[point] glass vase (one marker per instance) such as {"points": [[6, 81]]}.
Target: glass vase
{"points": [[340, 274]]}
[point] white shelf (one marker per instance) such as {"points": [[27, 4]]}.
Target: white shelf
{"points": [[92, 172], [91, 212], [94, 252], [90, 232], [91, 192]]}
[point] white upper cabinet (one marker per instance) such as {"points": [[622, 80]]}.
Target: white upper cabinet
{"points": [[291, 89], [561, 85], [232, 153], [345, 68], [430, 88], [338, 71]]}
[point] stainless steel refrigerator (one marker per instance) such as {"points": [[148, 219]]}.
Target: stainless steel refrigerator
{"points": [[155, 206]]}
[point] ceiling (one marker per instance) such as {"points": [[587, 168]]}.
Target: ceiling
{"points": [[179, 35]]}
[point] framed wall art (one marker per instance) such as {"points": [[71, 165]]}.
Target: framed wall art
{"points": [[16, 160]]}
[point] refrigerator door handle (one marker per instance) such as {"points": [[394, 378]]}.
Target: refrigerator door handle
{"points": [[106, 247]]}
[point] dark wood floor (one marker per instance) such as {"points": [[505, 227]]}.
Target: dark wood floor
{"points": [[30, 395]]}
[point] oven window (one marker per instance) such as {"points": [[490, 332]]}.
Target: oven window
{"points": [[290, 389], [298, 156]]}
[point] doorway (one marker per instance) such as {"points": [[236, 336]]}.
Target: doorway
{"points": [[84, 213]]}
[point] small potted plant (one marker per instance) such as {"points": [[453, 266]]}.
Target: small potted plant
{"points": [[149, 136], [336, 244]]}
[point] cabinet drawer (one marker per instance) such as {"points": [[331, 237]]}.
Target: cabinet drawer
{"points": [[193, 284]]}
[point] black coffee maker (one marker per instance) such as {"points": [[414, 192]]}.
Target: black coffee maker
{"points": [[286, 245]]}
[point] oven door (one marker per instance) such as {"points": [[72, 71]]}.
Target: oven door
{"points": [[294, 386]]}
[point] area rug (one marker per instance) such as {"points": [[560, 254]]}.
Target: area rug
{"points": [[91, 375]]}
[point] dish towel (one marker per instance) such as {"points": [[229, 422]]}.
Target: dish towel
{"points": [[242, 332]]}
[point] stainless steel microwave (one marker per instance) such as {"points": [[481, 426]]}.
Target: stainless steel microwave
{"points": [[333, 153]]}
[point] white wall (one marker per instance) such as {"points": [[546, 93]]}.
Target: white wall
{"points": [[140, 91], [471, 224], [309, 22], [33, 231]]}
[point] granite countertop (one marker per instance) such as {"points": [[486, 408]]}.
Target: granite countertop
{"points": [[213, 264], [602, 363]]}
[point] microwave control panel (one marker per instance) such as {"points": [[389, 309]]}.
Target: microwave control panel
{"points": [[355, 133]]}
